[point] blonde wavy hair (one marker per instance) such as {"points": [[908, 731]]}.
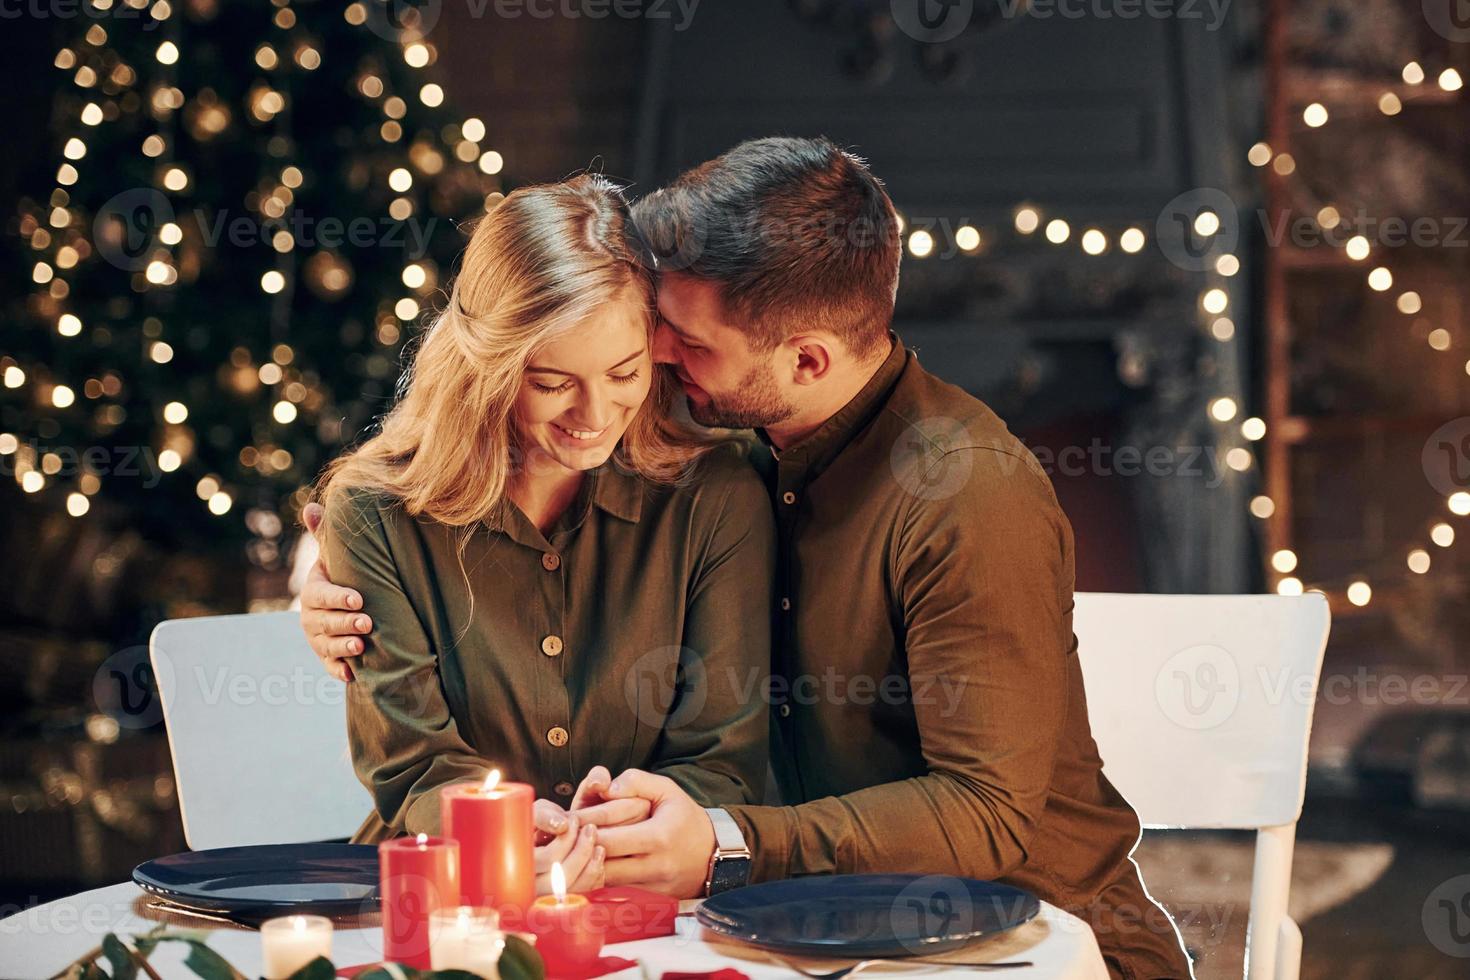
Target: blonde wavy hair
{"points": [[542, 262]]}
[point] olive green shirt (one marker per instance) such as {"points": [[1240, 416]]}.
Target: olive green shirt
{"points": [[930, 711], [631, 635]]}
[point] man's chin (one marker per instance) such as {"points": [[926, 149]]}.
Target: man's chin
{"points": [[699, 407], [710, 417], [714, 416]]}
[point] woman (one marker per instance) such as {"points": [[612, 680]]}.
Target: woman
{"points": [[543, 550]]}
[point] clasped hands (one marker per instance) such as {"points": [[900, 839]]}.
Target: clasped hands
{"points": [[639, 829]]}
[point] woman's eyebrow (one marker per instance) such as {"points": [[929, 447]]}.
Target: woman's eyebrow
{"points": [[531, 368]]}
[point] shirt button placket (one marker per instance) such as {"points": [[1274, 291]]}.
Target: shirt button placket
{"points": [[553, 645]]}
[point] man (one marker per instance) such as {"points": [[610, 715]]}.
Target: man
{"points": [[927, 700]]}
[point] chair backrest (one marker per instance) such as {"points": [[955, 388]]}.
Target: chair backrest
{"points": [[1202, 704], [258, 732]]}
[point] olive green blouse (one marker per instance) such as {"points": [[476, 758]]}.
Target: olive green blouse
{"points": [[634, 634]]}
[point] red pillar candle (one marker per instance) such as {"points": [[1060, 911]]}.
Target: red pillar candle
{"points": [[568, 929], [496, 833], [417, 875]]}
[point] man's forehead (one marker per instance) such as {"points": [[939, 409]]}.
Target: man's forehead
{"points": [[684, 297]]}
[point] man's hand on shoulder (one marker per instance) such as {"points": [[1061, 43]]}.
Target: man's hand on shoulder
{"points": [[331, 616]]}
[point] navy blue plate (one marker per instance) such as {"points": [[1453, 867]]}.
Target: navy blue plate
{"points": [[856, 916], [267, 880]]}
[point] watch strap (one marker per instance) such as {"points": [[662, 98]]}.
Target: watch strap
{"points": [[729, 866]]}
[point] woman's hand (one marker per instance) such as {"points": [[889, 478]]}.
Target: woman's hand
{"points": [[560, 836], [591, 804]]}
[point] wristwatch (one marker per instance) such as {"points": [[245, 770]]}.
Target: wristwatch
{"points": [[729, 866]]}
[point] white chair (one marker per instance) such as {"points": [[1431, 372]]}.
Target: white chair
{"points": [[1202, 707], [258, 732]]}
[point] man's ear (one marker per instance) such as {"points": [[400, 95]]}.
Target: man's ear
{"points": [[811, 358]]}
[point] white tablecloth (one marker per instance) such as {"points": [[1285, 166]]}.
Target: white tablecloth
{"points": [[40, 941]]}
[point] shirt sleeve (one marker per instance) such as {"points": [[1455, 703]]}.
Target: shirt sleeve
{"points": [[715, 741], [984, 581], [405, 743]]}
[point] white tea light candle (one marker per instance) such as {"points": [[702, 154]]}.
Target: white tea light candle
{"points": [[292, 941], [466, 937]]}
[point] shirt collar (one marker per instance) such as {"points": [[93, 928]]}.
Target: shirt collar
{"points": [[611, 487], [817, 450], [618, 491]]}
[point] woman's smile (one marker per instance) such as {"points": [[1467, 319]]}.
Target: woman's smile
{"points": [[581, 435]]}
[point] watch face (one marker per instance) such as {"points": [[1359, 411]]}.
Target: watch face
{"points": [[729, 873]]}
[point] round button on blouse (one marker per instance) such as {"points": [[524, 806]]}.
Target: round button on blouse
{"points": [[788, 497], [563, 789], [551, 646], [557, 736], [550, 562]]}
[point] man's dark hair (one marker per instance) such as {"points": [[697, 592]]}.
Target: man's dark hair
{"points": [[796, 233]]}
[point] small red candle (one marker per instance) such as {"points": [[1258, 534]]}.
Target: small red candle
{"points": [[634, 913], [568, 929], [495, 830], [417, 875]]}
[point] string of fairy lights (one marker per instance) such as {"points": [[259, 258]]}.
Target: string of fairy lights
{"points": [[1094, 240], [114, 87], [1380, 279], [1214, 303]]}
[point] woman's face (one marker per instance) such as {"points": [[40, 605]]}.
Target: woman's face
{"points": [[581, 391]]}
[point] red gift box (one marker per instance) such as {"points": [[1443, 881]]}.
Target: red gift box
{"points": [[634, 913]]}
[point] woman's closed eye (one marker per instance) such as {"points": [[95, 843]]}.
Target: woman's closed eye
{"points": [[619, 379]]}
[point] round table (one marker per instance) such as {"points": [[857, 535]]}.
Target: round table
{"points": [[40, 941]]}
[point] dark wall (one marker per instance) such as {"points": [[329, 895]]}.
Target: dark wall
{"points": [[557, 94], [1083, 113]]}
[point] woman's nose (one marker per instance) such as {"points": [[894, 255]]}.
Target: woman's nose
{"points": [[595, 408]]}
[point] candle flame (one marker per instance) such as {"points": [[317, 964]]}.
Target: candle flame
{"points": [[299, 922], [422, 839], [558, 883], [491, 781]]}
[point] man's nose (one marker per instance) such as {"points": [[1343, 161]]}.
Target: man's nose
{"points": [[664, 347]]}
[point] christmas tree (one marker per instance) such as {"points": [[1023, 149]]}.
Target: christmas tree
{"points": [[253, 205]]}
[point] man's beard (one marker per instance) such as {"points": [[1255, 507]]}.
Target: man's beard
{"points": [[754, 404]]}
